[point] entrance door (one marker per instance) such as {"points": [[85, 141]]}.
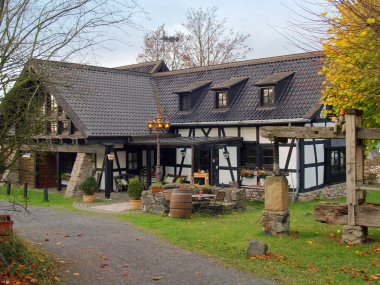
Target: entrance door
{"points": [[335, 170], [46, 170], [204, 162]]}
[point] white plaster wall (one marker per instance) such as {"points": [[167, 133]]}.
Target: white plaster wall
{"points": [[225, 176], [121, 155], [199, 133], [186, 171], [213, 132], [321, 172], [309, 154], [169, 170], [231, 132], [183, 132], [248, 133], [187, 156], [310, 179], [283, 155], [233, 156], [292, 180], [99, 159], [320, 152], [319, 124]]}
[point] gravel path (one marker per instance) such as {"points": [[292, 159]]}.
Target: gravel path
{"points": [[99, 249]]}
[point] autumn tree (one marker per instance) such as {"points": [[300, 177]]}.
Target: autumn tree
{"points": [[47, 30], [205, 41], [352, 63]]}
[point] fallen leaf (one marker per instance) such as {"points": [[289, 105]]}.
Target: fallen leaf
{"points": [[104, 265], [310, 242], [156, 277], [67, 235], [76, 273], [104, 257], [126, 274], [46, 239]]}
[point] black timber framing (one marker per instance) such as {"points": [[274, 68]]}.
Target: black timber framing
{"points": [[289, 155], [316, 162], [108, 171], [59, 170], [228, 158]]}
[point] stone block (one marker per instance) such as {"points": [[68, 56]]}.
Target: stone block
{"points": [[256, 248], [276, 222], [354, 234], [276, 193]]}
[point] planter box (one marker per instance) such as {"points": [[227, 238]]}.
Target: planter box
{"points": [[249, 180], [5, 225], [64, 182]]}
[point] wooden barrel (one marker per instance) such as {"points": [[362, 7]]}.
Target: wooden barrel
{"points": [[180, 204]]}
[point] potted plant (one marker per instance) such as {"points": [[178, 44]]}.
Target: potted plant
{"points": [[5, 225], [157, 187], [89, 187], [135, 189]]}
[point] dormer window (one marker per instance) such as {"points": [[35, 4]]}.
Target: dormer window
{"points": [[267, 96], [189, 95], [221, 99], [184, 102]]}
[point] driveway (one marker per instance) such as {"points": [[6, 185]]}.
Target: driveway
{"points": [[99, 249]]}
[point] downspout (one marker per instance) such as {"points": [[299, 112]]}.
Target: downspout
{"points": [[298, 169]]}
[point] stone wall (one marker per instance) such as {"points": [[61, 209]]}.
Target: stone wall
{"points": [[328, 192], [154, 204], [81, 170]]}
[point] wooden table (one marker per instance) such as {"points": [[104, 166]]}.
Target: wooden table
{"points": [[200, 197]]}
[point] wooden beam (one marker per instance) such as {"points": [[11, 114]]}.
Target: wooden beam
{"points": [[68, 148], [369, 187], [365, 215], [315, 133], [351, 166]]}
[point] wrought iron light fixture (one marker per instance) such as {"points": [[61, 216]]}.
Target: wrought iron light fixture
{"points": [[226, 154]]}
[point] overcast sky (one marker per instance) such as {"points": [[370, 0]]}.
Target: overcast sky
{"points": [[258, 18]]}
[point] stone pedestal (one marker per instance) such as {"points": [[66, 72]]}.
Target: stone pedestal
{"points": [[354, 234], [276, 217], [154, 204], [276, 222]]}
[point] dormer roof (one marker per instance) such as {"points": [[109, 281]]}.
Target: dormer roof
{"points": [[274, 78], [193, 87], [227, 84]]}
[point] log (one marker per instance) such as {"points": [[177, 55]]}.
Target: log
{"points": [[367, 215], [335, 214], [315, 133]]}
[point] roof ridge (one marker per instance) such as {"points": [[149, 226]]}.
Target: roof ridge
{"points": [[90, 67], [303, 55]]}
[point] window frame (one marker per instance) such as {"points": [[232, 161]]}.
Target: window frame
{"points": [[262, 96], [224, 101], [263, 164], [253, 147], [185, 97]]}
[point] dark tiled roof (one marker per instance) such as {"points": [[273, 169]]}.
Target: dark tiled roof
{"points": [[274, 78], [101, 101], [194, 86], [229, 83], [146, 67], [300, 95]]}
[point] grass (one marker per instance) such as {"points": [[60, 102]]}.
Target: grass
{"points": [[21, 263], [36, 198], [312, 254]]}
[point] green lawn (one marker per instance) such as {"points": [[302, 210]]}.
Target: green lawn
{"points": [[312, 254], [36, 198]]}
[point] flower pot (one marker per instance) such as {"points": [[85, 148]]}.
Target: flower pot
{"points": [[249, 180], [89, 198], [5, 225], [136, 204], [156, 189]]}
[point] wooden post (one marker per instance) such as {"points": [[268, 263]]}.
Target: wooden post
{"points": [[109, 171], [192, 163], [276, 157], [9, 186], [360, 163], [149, 167], [46, 195], [25, 190], [59, 170], [351, 172]]}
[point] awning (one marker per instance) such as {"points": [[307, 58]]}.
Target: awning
{"points": [[188, 141]]}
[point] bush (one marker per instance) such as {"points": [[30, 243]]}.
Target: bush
{"points": [[89, 186], [135, 188], [157, 185]]}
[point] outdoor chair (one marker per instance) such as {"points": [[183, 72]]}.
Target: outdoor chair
{"points": [[217, 202], [121, 183]]}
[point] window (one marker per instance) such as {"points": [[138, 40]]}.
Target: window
{"points": [[267, 157], [184, 102], [249, 155], [267, 96], [221, 100], [52, 128], [338, 161], [133, 161]]}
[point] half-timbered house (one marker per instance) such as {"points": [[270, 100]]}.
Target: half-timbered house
{"points": [[100, 115]]}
